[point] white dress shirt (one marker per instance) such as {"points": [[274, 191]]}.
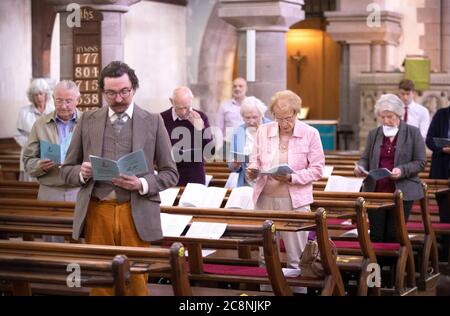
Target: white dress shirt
{"points": [[229, 117], [418, 116]]}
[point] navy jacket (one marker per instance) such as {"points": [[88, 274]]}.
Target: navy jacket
{"points": [[439, 128]]}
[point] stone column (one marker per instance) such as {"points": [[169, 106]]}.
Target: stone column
{"points": [[367, 50], [112, 30], [271, 20], [378, 62], [445, 35]]}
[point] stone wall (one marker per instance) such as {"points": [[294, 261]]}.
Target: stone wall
{"points": [[155, 46], [430, 41], [15, 61]]}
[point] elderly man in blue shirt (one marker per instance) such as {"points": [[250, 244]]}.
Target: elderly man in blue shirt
{"points": [[55, 128]]}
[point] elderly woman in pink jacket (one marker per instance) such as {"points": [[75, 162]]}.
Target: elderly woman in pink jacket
{"points": [[296, 144]]}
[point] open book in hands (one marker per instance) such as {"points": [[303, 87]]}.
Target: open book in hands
{"points": [[280, 170], [50, 151], [199, 195], [375, 174], [106, 169]]}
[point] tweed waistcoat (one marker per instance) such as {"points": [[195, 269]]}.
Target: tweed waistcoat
{"points": [[115, 146]]}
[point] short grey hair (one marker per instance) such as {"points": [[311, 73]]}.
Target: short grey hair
{"points": [[252, 103], [38, 85], [390, 102], [67, 85]]}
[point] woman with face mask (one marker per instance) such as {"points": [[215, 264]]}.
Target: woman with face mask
{"points": [[400, 148], [252, 113]]}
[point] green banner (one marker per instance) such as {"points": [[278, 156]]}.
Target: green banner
{"points": [[418, 70]]}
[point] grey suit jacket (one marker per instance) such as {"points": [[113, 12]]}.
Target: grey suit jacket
{"points": [[410, 158], [150, 135]]}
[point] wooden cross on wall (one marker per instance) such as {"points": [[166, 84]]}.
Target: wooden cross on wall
{"points": [[298, 59]]}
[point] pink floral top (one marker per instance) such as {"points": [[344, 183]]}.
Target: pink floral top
{"points": [[305, 156]]}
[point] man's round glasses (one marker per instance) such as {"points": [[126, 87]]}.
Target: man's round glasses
{"points": [[124, 93]]}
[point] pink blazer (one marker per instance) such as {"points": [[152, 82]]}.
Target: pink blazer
{"points": [[305, 156]]}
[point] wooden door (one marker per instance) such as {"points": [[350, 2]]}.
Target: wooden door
{"points": [[313, 61]]}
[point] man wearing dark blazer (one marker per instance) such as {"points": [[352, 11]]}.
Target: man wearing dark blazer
{"points": [[126, 210]]}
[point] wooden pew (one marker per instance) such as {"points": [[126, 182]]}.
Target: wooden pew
{"points": [[244, 222], [334, 197], [419, 217], [9, 159], [284, 220], [18, 189], [25, 262], [402, 251], [425, 243], [357, 266], [332, 283]]}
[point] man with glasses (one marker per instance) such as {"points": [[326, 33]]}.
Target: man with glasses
{"points": [[55, 128], [125, 211]]}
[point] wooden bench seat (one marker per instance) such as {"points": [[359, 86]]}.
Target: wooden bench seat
{"points": [[233, 217], [24, 262]]}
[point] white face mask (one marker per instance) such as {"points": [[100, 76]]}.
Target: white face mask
{"points": [[390, 131]]}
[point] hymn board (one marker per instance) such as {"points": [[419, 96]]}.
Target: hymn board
{"points": [[87, 61]]}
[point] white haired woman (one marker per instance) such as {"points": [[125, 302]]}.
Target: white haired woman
{"points": [[39, 94], [252, 113], [400, 148]]}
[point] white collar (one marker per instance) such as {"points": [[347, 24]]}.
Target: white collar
{"points": [[129, 111], [175, 115], [411, 104]]}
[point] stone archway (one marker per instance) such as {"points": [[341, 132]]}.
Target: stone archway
{"points": [[216, 62], [42, 20]]}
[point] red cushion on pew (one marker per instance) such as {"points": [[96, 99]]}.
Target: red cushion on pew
{"points": [[432, 208], [376, 245], [441, 225], [234, 270], [335, 221], [414, 225], [419, 225], [339, 221], [281, 245]]}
